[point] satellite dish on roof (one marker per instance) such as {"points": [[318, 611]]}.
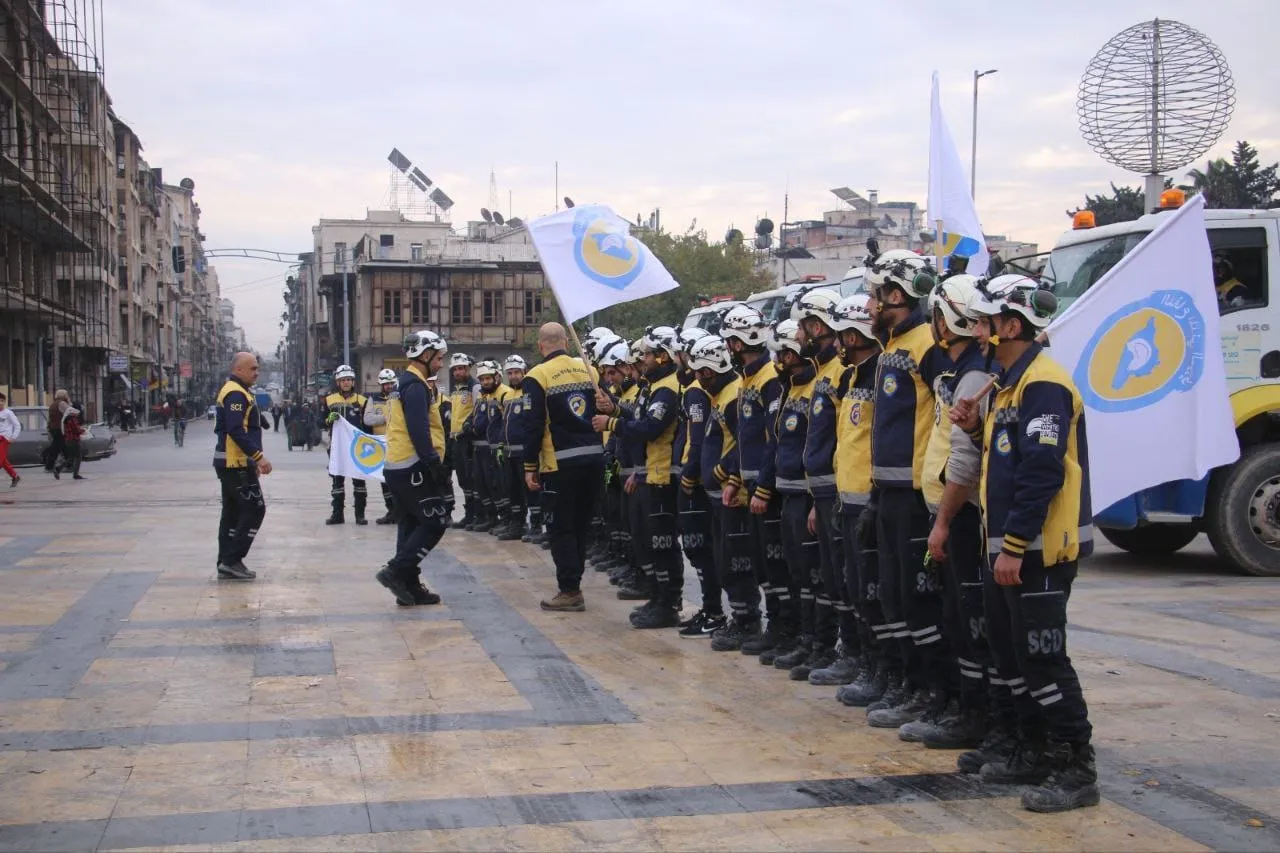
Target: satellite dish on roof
{"points": [[764, 226], [763, 241], [568, 202], [187, 184], [497, 218], [515, 222], [733, 237], [485, 214]]}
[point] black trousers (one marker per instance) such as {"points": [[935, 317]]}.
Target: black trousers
{"points": [[242, 512], [910, 593], [801, 549], [569, 499], [833, 617], [660, 511], [359, 493], [72, 456], [461, 455], [735, 549], [781, 600], [423, 519], [497, 477], [964, 611], [57, 445], [388, 498], [695, 537], [1027, 626], [480, 481], [636, 527], [517, 491], [613, 517], [861, 582]]}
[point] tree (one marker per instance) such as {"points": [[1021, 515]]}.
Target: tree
{"points": [[702, 268], [1241, 183], [1123, 205]]}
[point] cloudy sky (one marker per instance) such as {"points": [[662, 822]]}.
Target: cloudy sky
{"points": [[283, 111]]}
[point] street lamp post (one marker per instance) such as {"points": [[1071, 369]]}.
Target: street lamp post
{"points": [[973, 148]]}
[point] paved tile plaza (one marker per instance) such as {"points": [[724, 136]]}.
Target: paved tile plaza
{"points": [[144, 705]]}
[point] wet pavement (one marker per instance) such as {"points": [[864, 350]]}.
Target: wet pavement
{"points": [[144, 705]]}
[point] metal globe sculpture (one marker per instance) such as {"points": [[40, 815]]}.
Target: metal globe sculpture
{"points": [[1156, 97]]}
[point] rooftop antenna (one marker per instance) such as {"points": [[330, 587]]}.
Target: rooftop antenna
{"points": [[493, 190], [411, 191], [485, 214]]}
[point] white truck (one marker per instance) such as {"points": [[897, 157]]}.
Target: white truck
{"points": [[1237, 505]]}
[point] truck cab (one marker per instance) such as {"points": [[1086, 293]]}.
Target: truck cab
{"points": [[1237, 505]]}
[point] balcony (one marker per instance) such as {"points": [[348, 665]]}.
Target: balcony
{"points": [[82, 273]]}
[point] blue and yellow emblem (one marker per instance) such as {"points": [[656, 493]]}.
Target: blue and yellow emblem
{"points": [[1003, 445], [890, 386], [958, 245], [790, 422], [1142, 353], [817, 405], [578, 405], [604, 249], [855, 414], [367, 453]]}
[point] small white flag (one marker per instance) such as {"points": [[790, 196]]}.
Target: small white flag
{"points": [[592, 261], [1142, 347], [356, 454], [950, 201]]}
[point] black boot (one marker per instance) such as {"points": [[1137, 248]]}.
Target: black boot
{"points": [[661, 612], [913, 707], [765, 641], [820, 657], [869, 686], [335, 517], [996, 746], [514, 529], [785, 644], [732, 636], [798, 654], [1073, 784], [941, 707], [386, 519], [394, 582], [360, 519], [638, 587], [1028, 763], [964, 730], [895, 692]]}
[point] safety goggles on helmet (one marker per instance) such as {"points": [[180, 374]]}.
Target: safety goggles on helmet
{"points": [[460, 359], [344, 371], [515, 362], [746, 324], [1017, 294], [634, 350], [386, 375], [954, 298], [901, 268], [786, 336], [817, 304], [487, 368], [595, 350], [416, 343], [851, 313], [686, 338], [660, 339], [616, 355], [710, 353]]}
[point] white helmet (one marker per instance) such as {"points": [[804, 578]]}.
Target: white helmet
{"points": [[634, 350], [1016, 294], [817, 303], [954, 298], [901, 268], [460, 359], [515, 362], [595, 350], [591, 341], [712, 353], [419, 342], [487, 368], [660, 339], [688, 337], [786, 336], [616, 355], [746, 324], [851, 313], [386, 375], [344, 371]]}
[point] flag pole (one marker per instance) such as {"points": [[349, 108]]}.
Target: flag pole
{"points": [[937, 246]]}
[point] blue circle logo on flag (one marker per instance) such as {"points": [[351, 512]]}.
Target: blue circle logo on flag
{"points": [[367, 454], [604, 249], [1142, 353]]}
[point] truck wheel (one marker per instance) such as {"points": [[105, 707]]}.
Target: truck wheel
{"points": [[1152, 540], [1242, 514]]}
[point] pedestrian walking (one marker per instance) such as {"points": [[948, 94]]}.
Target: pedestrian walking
{"points": [[564, 458], [239, 462], [53, 424], [72, 431], [276, 414], [10, 429], [415, 470]]}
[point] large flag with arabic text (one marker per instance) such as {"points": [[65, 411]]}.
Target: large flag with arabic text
{"points": [[592, 261], [1142, 346]]}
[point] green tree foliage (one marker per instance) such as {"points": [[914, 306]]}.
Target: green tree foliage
{"points": [[702, 268], [1123, 205], [1239, 183]]}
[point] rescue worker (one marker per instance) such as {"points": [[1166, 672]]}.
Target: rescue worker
{"points": [[462, 395], [834, 621], [654, 424], [238, 462], [563, 458], [791, 426], [1035, 502], [851, 318], [593, 345], [415, 470], [710, 361], [478, 427], [693, 520], [903, 419], [348, 404], [608, 354], [513, 471], [750, 523], [620, 395], [375, 420], [443, 401], [958, 717], [635, 584]]}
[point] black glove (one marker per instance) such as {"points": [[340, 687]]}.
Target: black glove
{"points": [[865, 532], [437, 474]]}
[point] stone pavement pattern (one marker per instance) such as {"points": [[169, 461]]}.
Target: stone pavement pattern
{"points": [[144, 705]]}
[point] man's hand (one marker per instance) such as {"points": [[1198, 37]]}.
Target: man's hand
{"points": [[938, 540], [964, 414], [603, 403], [630, 485], [729, 496], [332, 419], [1008, 570], [531, 481], [813, 521], [600, 423], [759, 506], [264, 467]]}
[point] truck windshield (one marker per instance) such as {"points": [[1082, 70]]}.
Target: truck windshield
{"points": [[1072, 270], [770, 307]]}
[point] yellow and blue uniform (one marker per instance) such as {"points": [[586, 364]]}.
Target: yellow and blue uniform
{"points": [[904, 405], [654, 424], [238, 427], [791, 425], [349, 407], [757, 406], [938, 450], [462, 400], [415, 471], [824, 411], [857, 392], [691, 500]]}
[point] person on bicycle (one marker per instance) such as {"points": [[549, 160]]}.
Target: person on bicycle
{"points": [[179, 422]]}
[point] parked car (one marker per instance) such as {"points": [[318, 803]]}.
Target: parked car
{"points": [[98, 442], [211, 412], [708, 317]]}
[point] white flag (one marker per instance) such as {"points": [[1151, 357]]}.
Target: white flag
{"points": [[591, 261], [356, 454], [949, 198], [1143, 350]]}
